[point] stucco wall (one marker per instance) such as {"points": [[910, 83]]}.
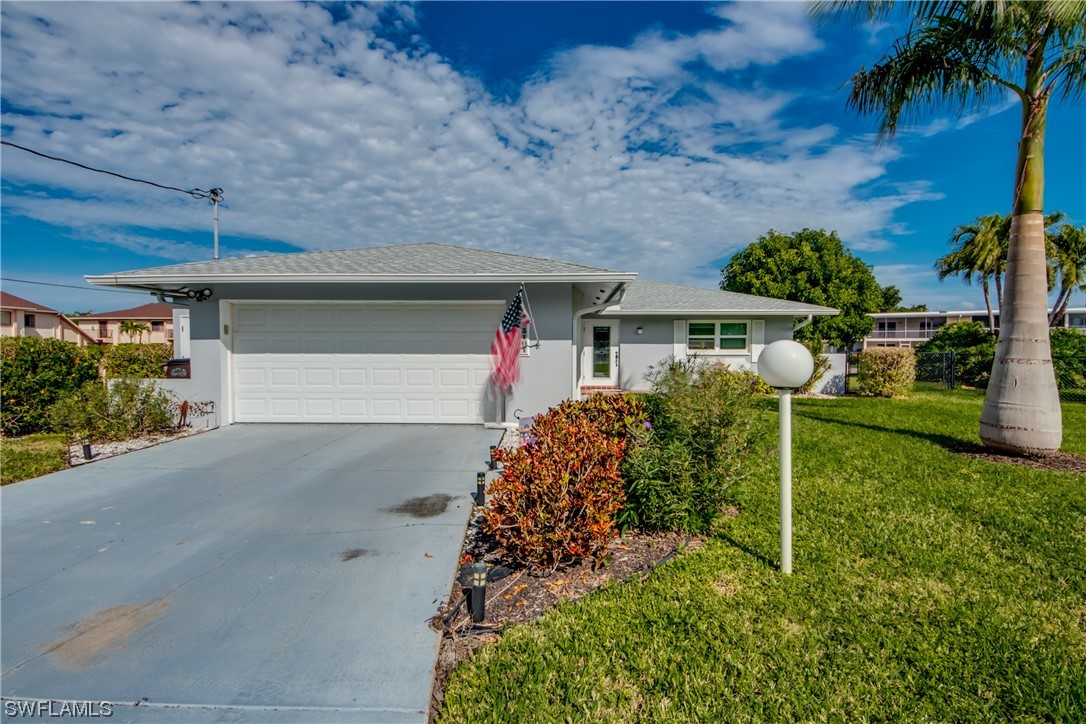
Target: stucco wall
{"points": [[657, 342]]}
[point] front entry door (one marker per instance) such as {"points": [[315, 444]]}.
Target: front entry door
{"points": [[599, 353]]}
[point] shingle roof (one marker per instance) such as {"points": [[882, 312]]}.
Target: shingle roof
{"points": [[144, 311], [10, 300], [413, 260], [645, 296]]}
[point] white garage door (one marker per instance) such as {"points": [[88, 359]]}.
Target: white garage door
{"points": [[362, 362]]}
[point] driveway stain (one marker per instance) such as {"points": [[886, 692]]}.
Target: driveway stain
{"points": [[88, 642], [351, 553], [427, 507]]}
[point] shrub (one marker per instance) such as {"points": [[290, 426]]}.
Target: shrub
{"points": [[973, 346], [35, 373], [886, 372], [557, 497], [1069, 357], [119, 411], [702, 430], [141, 361]]}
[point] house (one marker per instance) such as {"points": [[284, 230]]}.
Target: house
{"points": [[403, 333], [106, 327], [910, 329], [22, 318]]}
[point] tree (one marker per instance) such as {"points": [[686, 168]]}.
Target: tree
{"points": [[891, 299], [814, 267], [980, 251], [1067, 253], [970, 55], [134, 329]]}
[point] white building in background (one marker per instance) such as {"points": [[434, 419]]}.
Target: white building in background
{"points": [[909, 329]]}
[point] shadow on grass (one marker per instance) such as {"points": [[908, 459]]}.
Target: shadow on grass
{"points": [[761, 558], [947, 442]]}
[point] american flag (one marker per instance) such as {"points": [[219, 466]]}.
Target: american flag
{"points": [[505, 351]]}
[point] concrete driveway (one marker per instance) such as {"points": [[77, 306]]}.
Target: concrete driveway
{"points": [[252, 573]]}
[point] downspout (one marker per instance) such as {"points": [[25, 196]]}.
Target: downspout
{"points": [[575, 388], [804, 323]]}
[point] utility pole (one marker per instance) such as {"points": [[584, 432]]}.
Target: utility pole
{"points": [[215, 196]]}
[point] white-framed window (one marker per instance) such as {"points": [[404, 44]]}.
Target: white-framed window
{"points": [[724, 336]]}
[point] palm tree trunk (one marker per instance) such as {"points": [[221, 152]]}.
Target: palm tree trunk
{"points": [[999, 287], [1022, 405], [988, 304]]}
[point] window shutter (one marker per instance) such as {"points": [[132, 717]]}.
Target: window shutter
{"points": [[757, 339], [679, 349]]}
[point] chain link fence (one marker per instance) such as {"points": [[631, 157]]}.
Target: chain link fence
{"points": [[952, 370]]}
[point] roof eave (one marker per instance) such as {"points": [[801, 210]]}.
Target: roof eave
{"points": [[759, 312], [135, 281]]}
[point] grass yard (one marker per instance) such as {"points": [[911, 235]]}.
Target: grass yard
{"points": [[27, 457], [927, 586]]}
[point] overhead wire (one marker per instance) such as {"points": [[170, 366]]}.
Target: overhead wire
{"points": [[72, 286], [213, 195]]}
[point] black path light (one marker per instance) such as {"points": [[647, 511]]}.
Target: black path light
{"points": [[786, 365]]}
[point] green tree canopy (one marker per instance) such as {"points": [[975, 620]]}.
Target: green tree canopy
{"points": [[814, 267]]}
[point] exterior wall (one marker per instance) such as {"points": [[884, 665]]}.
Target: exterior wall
{"points": [[113, 335], [657, 342], [545, 371], [47, 325]]}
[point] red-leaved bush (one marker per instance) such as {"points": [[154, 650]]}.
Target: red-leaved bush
{"points": [[557, 497]]}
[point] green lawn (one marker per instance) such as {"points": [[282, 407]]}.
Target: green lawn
{"points": [[927, 586], [28, 457]]}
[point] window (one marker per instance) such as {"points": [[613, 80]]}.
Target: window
{"points": [[5, 317], [29, 321], [722, 337], [157, 326], [887, 326]]}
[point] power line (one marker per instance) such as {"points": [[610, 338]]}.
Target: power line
{"points": [[215, 195], [72, 286]]}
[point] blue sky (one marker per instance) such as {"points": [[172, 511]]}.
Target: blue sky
{"points": [[650, 137]]}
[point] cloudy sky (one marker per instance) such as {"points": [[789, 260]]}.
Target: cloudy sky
{"points": [[650, 137]]}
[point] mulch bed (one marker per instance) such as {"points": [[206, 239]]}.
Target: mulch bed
{"points": [[523, 596], [1060, 461]]}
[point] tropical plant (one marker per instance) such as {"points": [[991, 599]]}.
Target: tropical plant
{"points": [[134, 330], [1067, 255], [971, 54], [980, 251]]}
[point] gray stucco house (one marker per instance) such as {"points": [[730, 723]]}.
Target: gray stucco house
{"points": [[403, 333]]}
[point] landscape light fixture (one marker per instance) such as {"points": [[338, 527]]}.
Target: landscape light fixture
{"points": [[786, 365]]}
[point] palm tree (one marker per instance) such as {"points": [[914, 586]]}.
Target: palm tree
{"points": [[980, 251], [133, 329], [973, 54], [1067, 252]]}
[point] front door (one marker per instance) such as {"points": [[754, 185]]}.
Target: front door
{"points": [[599, 353]]}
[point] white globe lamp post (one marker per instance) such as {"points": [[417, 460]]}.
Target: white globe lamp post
{"points": [[786, 365]]}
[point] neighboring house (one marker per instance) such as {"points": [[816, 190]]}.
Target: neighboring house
{"points": [[105, 327], [22, 318], [403, 333], [909, 329]]}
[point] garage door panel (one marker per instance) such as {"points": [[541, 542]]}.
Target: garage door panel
{"points": [[364, 363], [283, 377]]}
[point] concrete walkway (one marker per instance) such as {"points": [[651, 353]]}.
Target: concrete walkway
{"points": [[253, 573]]}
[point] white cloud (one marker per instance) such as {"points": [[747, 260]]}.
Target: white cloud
{"points": [[326, 135]]}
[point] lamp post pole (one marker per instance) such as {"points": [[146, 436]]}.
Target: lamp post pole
{"points": [[786, 365], [785, 397]]}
